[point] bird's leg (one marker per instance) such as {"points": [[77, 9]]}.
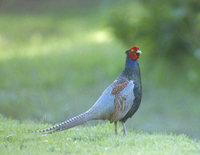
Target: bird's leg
{"points": [[124, 128], [115, 128]]}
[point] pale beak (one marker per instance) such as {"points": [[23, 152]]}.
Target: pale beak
{"points": [[138, 51]]}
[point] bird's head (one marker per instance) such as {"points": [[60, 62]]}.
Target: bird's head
{"points": [[134, 53]]}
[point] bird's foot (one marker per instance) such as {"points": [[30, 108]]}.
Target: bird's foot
{"points": [[116, 133], [124, 129]]}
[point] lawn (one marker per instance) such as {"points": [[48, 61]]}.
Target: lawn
{"points": [[99, 139]]}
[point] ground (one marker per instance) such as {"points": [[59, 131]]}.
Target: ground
{"points": [[15, 138]]}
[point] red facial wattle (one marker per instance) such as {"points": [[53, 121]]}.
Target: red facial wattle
{"points": [[133, 53]]}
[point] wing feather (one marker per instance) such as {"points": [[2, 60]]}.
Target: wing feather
{"points": [[123, 101], [115, 101]]}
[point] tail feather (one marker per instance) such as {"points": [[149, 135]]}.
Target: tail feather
{"points": [[75, 121]]}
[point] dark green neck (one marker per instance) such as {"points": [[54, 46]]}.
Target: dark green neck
{"points": [[132, 70], [132, 73]]}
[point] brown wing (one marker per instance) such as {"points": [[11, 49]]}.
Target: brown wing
{"points": [[118, 87], [123, 99]]}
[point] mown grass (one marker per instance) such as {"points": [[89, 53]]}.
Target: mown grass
{"points": [[100, 139], [55, 67]]}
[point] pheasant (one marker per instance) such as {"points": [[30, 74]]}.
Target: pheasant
{"points": [[118, 102]]}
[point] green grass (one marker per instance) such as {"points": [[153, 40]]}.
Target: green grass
{"points": [[53, 67], [98, 139]]}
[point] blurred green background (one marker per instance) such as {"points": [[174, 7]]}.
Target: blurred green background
{"points": [[56, 57]]}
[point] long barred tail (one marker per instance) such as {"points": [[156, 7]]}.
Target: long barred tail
{"points": [[75, 121]]}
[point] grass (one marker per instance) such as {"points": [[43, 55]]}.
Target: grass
{"points": [[99, 139], [54, 67]]}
